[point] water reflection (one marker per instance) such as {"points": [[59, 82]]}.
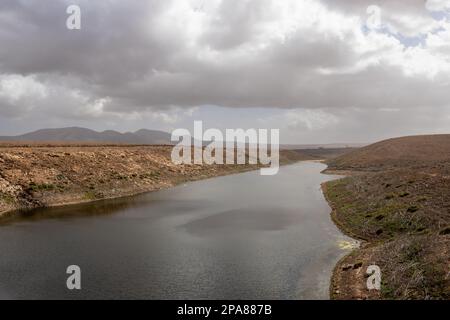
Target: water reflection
{"points": [[237, 237]]}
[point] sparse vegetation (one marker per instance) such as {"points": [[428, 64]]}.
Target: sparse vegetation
{"points": [[41, 187], [399, 206], [90, 195], [35, 176], [8, 199]]}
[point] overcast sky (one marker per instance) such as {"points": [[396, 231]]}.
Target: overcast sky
{"points": [[321, 71]]}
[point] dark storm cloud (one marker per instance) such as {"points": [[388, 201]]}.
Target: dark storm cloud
{"points": [[155, 55]]}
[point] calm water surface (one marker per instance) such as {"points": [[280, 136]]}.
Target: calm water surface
{"points": [[234, 237]]}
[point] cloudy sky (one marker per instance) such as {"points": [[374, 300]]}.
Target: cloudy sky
{"points": [[322, 71]]}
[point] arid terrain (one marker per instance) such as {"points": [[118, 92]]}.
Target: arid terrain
{"points": [[50, 174], [397, 201]]}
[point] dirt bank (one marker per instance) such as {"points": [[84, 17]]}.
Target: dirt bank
{"points": [[40, 176], [402, 218]]}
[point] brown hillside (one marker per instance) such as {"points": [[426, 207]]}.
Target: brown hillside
{"points": [[33, 176], [397, 199], [413, 151]]}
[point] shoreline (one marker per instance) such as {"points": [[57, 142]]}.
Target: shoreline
{"points": [[333, 215], [170, 183], [348, 278], [336, 287], [348, 274], [398, 232], [41, 175], [12, 212]]}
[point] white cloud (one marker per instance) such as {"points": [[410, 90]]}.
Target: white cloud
{"points": [[14, 88], [438, 5], [311, 119]]}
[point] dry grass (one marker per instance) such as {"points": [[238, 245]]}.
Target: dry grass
{"points": [[415, 151], [401, 207]]}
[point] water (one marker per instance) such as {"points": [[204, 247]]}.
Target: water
{"points": [[243, 236]]}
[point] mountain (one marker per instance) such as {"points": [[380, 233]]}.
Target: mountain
{"points": [[425, 150], [76, 134]]}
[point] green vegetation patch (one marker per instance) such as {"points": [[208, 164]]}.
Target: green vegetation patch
{"points": [[7, 198], [90, 195], [372, 212], [41, 187], [155, 175]]}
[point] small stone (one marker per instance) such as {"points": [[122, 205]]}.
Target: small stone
{"points": [[347, 267]]}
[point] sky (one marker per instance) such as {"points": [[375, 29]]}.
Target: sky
{"points": [[321, 71]]}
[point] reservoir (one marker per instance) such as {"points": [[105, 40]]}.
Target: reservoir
{"points": [[242, 236]]}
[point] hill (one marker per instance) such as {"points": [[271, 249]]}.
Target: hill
{"points": [[76, 134], [396, 199], [413, 151]]}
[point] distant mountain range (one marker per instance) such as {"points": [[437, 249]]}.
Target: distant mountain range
{"points": [[322, 146], [76, 134], [143, 136]]}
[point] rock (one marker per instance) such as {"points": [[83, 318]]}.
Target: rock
{"points": [[445, 231], [347, 267]]}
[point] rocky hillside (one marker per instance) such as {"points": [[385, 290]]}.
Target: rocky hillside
{"points": [[47, 176]]}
